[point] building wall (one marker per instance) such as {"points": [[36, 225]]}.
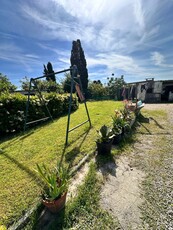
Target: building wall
{"points": [[157, 87], [155, 91]]}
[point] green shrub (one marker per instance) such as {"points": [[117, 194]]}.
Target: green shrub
{"points": [[55, 104], [13, 107], [97, 91]]}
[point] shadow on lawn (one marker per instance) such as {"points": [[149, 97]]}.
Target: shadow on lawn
{"points": [[15, 139], [71, 155], [24, 168], [83, 136]]}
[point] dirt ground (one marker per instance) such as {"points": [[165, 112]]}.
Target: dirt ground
{"points": [[121, 194]]}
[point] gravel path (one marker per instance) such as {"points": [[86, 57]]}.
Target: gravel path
{"points": [[140, 191], [158, 207]]}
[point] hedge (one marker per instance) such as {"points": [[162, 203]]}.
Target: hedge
{"points": [[13, 107]]}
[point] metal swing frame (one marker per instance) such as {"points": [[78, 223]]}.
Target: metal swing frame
{"points": [[73, 70], [73, 76]]}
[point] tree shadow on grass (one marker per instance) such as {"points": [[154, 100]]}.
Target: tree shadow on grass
{"points": [[23, 168], [15, 139]]}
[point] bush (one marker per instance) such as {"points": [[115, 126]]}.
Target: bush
{"points": [[13, 107], [97, 91]]}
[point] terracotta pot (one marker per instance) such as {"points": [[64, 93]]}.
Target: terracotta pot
{"points": [[56, 205], [104, 147]]}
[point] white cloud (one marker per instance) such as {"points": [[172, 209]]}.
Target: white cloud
{"points": [[139, 14], [102, 23], [15, 54], [114, 61], [159, 60], [109, 63]]}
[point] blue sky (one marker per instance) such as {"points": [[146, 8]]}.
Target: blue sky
{"points": [[129, 37]]}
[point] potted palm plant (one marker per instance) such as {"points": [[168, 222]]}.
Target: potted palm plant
{"points": [[55, 186], [104, 140]]}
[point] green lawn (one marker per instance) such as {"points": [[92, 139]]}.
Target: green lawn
{"points": [[19, 185]]}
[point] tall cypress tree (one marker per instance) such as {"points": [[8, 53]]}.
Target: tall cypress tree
{"points": [[78, 59], [52, 86], [49, 70]]}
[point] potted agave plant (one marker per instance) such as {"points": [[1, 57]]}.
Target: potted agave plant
{"points": [[55, 186], [104, 140]]}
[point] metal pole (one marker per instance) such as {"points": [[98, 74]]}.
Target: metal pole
{"points": [[47, 75], [77, 126], [74, 69], [85, 103], [27, 104]]}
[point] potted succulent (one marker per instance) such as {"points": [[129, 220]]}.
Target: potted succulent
{"points": [[55, 186], [104, 140]]}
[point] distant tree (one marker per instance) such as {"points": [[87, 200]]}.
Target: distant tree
{"points": [[66, 83], [52, 86], [115, 86], [78, 59], [96, 90], [97, 82], [49, 70], [25, 83], [5, 85], [43, 85]]}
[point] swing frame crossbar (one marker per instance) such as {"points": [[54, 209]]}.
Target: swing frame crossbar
{"points": [[47, 75], [73, 70], [42, 119], [78, 126]]}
